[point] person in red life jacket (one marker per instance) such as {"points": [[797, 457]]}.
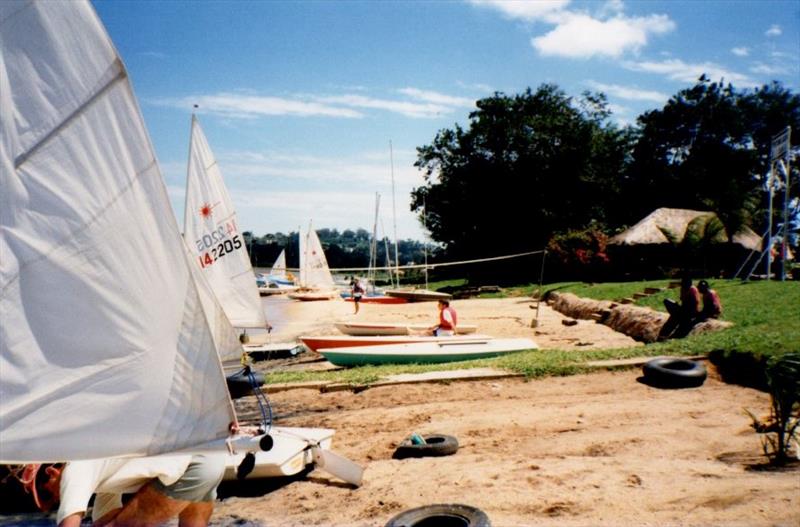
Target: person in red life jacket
{"points": [[683, 315], [712, 307], [447, 320]]}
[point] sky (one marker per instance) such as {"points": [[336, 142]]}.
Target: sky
{"points": [[313, 107]]}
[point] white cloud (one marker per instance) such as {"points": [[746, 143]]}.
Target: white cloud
{"points": [[774, 31], [484, 88], [677, 70], [407, 108], [528, 10], [628, 93], [438, 98], [581, 36], [765, 69], [242, 106], [740, 52]]}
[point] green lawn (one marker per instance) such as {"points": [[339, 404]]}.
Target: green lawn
{"points": [[766, 317]]}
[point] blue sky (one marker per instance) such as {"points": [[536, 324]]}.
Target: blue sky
{"points": [[300, 100]]}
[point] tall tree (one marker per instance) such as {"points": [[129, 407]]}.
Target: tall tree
{"points": [[708, 149], [527, 166]]}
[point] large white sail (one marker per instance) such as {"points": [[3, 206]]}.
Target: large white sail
{"points": [[211, 229], [315, 272], [104, 346]]}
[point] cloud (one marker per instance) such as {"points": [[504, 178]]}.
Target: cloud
{"points": [[407, 108], [740, 52], [528, 10], [628, 93], [765, 69], [774, 31], [368, 169], [438, 98], [677, 70], [242, 105], [580, 36]]}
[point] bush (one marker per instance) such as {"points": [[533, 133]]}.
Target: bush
{"points": [[581, 254]]}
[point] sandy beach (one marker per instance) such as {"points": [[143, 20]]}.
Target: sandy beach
{"points": [[594, 449]]}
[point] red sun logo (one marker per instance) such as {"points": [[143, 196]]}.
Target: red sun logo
{"points": [[205, 211]]}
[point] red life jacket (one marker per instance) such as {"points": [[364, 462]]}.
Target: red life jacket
{"points": [[444, 324]]}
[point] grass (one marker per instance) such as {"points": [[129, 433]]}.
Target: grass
{"points": [[766, 317]]}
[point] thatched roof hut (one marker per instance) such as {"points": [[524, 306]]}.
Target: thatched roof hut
{"points": [[650, 230]]}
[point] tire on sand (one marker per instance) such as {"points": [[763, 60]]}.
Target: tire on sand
{"points": [[670, 372], [441, 515], [435, 445]]}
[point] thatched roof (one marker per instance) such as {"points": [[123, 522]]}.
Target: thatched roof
{"points": [[650, 230]]}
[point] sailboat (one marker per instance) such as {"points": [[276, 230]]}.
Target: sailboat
{"points": [[211, 229], [278, 280], [107, 349], [316, 281]]}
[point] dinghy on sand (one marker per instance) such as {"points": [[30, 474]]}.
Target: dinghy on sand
{"points": [[393, 328], [346, 341], [425, 352]]}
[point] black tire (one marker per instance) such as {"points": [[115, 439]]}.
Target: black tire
{"points": [[239, 383], [441, 515], [668, 372], [435, 445]]}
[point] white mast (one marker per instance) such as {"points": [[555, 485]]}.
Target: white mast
{"points": [[394, 215]]}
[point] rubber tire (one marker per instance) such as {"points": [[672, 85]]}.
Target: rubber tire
{"points": [[239, 383], [441, 515], [435, 445], [670, 372]]}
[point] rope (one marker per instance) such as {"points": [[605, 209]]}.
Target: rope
{"points": [[264, 405], [442, 264]]}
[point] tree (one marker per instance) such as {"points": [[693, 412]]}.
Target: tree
{"points": [[708, 149], [528, 165]]}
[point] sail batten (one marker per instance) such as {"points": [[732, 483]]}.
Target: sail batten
{"points": [[104, 346]]}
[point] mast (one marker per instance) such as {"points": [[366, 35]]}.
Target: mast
{"points": [[425, 241], [373, 246], [394, 216]]}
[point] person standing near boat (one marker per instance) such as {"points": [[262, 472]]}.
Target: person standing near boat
{"points": [[356, 290], [448, 319]]}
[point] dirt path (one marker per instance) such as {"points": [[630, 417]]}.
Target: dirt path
{"points": [[597, 449]]}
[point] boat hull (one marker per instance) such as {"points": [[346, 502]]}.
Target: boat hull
{"points": [[289, 455], [378, 300], [341, 341], [392, 328], [418, 295], [425, 352]]}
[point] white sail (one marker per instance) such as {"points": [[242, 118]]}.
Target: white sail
{"points": [[279, 267], [104, 346], [226, 337], [314, 270], [211, 229]]}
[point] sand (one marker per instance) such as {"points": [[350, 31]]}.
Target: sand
{"points": [[594, 449]]}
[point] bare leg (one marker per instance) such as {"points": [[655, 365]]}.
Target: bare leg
{"points": [[149, 508], [196, 515]]}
